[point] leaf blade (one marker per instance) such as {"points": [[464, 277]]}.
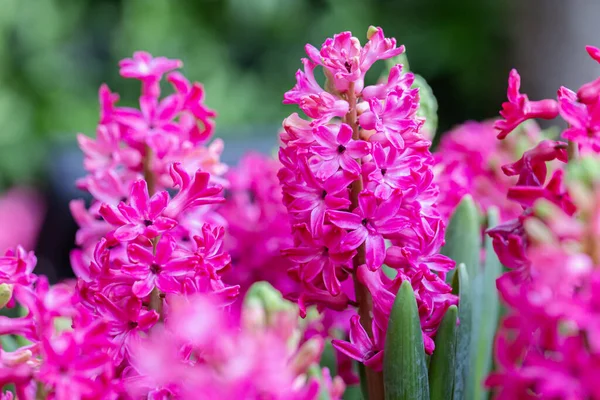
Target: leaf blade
{"points": [[404, 367], [461, 286], [443, 360]]}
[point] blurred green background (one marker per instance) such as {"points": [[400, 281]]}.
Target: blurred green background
{"points": [[55, 53]]}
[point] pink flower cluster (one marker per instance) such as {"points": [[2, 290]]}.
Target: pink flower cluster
{"points": [[546, 346], [354, 175], [467, 161], [257, 224], [580, 110], [257, 356], [54, 363]]}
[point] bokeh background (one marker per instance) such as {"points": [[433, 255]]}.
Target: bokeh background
{"points": [[55, 53]]}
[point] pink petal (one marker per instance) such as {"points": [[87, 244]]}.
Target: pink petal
{"points": [[157, 204], [368, 204], [325, 137], [354, 239], [344, 220], [128, 232], [144, 287], [375, 251], [344, 134], [139, 254], [139, 197]]}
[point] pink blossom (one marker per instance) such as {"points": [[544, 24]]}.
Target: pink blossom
{"points": [[148, 69], [369, 223], [125, 321], [322, 258], [160, 269], [193, 109], [323, 106], [338, 151], [518, 108], [361, 347], [194, 191], [583, 120], [394, 117], [142, 217], [16, 266], [390, 176], [531, 168]]}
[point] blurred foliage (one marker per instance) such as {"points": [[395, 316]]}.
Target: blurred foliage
{"points": [[55, 53]]}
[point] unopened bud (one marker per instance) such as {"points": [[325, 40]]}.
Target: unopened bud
{"points": [[538, 231], [371, 31], [308, 354], [11, 359], [6, 291], [253, 315]]}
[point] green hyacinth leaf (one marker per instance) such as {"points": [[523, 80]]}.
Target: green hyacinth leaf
{"points": [[461, 287], [443, 360], [463, 237], [428, 107], [486, 309], [404, 366]]}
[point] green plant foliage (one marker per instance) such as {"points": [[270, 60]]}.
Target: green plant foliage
{"points": [[404, 366]]}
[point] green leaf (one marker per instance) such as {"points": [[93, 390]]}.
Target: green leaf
{"points": [[404, 367], [441, 368], [486, 309], [461, 286], [463, 237], [9, 343], [428, 106]]}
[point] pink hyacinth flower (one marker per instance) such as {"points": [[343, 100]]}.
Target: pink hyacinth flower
{"points": [[368, 223], [362, 347], [338, 150], [143, 216], [394, 116], [583, 120], [588, 93], [126, 320], [161, 269], [16, 266], [323, 107], [194, 191], [531, 167], [321, 257], [148, 69], [193, 104], [518, 108]]}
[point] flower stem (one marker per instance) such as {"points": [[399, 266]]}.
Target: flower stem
{"points": [[156, 302], [363, 297], [572, 150]]}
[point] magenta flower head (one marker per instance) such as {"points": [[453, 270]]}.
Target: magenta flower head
{"points": [[16, 266], [258, 226], [357, 181], [468, 160], [143, 216], [544, 346], [519, 108]]}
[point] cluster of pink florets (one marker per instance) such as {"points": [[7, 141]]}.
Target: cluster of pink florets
{"points": [[468, 161], [356, 174], [149, 314], [546, 346]]}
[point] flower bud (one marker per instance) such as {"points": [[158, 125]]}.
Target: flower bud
{"points": [[308, 354], [6, 291], [371, 31]]}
